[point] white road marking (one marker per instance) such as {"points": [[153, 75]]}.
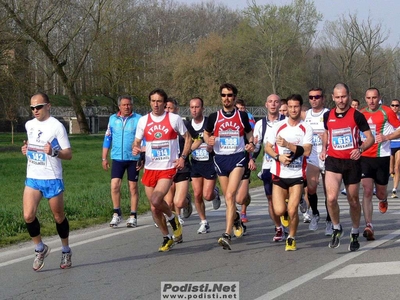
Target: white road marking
{"points": [[86, 241], [367, 270], [327, 267]]}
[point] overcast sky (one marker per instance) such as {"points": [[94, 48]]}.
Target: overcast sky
{"points": [[386, 12]]}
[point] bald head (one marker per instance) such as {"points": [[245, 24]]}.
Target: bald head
{"points": [[272, 104], [273, 96]]}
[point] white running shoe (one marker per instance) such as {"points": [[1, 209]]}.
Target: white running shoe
{"points": [[187, 211], [303, 205], [204, 228], [314, 223], [217, 201], [115, 221], [38, 263], [306, 218], [180, 220], [328, 228], [131, 222]]}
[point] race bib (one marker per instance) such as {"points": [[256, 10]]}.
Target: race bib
{"points": [[36, 155], [201, 153], [373, 131], [316, 138], [228, 141], [160, 151], [342, 139]]}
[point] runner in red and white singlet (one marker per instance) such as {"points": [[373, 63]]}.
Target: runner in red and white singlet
{"points": [[375, 162]]}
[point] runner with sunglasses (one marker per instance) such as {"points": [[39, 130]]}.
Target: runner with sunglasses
{"points": [[47, 145], [315, 166]]}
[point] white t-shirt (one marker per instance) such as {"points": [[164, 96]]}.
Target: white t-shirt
{"points": [[299, 135], [40, 165]]}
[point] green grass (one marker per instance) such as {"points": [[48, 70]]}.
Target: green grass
{"points": [[87, 189]]}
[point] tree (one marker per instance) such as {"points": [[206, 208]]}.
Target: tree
{"points": [[277, 34], [370, 37], [341, 48], [65, 32]]}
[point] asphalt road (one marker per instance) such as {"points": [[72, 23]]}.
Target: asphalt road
{"points": [[123, 263]]}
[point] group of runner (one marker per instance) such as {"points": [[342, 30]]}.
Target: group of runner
{"points": [[341, 144]]}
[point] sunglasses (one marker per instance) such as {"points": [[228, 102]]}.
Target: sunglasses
{"points": [[394, 105], [38, 106], [315, 97], [226, 95]]}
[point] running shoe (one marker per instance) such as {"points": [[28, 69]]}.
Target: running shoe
{"points": [[243, 217], [328, 228], [285, 220], [131, 222], [180, 220], [343, 192], [279, 235], [238, 229], [204, 228], [306, 217], [66, 262], [336, 235], [115, 221], [369, 233], [217, 201], [290, 244], [38, 263], [314, 223], [187, 211], [225, 241], [383, 206], [354, 244], [177, 228], [166, 245], [394, 194], [303, 205]]}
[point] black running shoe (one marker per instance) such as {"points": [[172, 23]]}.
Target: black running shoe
{"points": [[354, 244], [225, 241], [336, 235]]}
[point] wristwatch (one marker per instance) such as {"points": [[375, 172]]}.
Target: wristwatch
{"points": [[361, 150], [276, 157], [183, 156]]}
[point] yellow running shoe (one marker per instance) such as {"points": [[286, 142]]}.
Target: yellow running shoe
{"points": [[238, 229], [290, 244], [285, 219], [177, 228], [166, 245]]}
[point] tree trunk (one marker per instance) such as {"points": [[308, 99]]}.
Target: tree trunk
{"points": [[80, 115]]}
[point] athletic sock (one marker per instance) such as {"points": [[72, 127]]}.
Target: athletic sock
{"points": [[39, 247], [313, 199]]}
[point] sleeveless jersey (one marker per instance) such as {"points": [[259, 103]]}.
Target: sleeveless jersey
{"points": [[229, 134], [316, 121], [196, 131], [343, 134], [162, 146], [380, 121]]}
